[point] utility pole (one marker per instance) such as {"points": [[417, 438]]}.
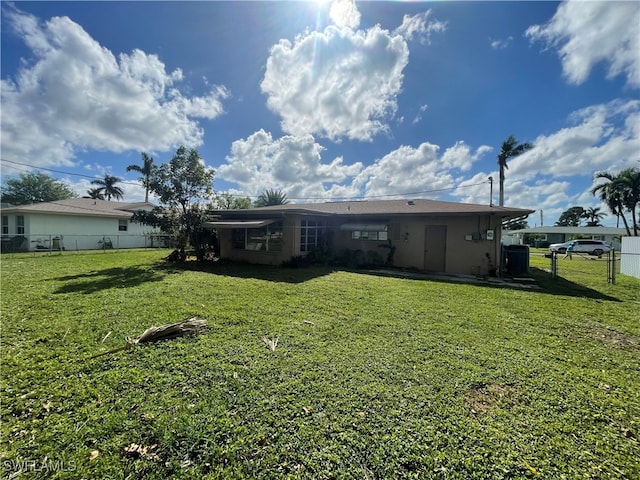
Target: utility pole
{"points": [[491, 191], [541, 219]]}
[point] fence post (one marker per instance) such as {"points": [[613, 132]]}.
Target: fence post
{"points": [[554, 264], [611, 267]]}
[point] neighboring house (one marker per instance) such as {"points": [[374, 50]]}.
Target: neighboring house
{"points": [[426, 234], [74, 224], [544, 236]]}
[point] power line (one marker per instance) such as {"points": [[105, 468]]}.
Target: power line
{"points": [[257, 196], [92, 177]]}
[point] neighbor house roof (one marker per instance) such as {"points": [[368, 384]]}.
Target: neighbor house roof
{"points": [[573, 230], [81, 206], [382, 207]]}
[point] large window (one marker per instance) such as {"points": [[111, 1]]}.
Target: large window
{"points": [[20, 225], [310, 235], [265, 239], [5, 225], [362, 235]]}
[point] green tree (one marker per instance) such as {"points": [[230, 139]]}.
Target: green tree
{"points": [[183, 186], [271, 197], [31, 188], [571, 217], [107, 187], [227, 201], [145, 170], [611, 192], [628, 181], [510, 148], [94, 193], [593, 215]]}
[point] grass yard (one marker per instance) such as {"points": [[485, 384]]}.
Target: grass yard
{"points": [[372, 377]]}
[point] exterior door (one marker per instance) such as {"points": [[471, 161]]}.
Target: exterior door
{"points": [[435, 247]]}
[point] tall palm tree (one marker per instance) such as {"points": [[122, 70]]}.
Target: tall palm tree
{"points": [[611, 193], [108, 188], [95, 193], [271, 197], [628, 181], [510, 148], [145, 170], [593, 215]]}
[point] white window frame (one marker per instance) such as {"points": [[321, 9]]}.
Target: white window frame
{"points": [[367, 235], [310, 235]]}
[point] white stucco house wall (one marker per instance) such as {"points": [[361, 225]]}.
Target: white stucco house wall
{"points": [[76, 224]]}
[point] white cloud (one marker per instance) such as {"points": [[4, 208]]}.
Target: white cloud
{"points": [[602, 137], [418, 117], [100, 102], [501, 44], [292, 164], [422, 169], [587, 33], [344, 13], [419, 27], [337, 83]]}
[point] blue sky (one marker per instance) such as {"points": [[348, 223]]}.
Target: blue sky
{"points": [[328, 100]]}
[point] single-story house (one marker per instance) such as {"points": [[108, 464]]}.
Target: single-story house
{"points": [[458, 238], [544, 236], [75, 224]]}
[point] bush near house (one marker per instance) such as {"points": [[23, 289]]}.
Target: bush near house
{"points": [[313, 373]]}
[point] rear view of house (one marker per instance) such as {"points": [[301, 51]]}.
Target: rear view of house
{"points": [[427, 235]]}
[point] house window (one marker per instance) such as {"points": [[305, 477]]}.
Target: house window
{"points": [[362, 235], [5, 225], [263, 239], [310, 235], [20, 225], [123, 225]]}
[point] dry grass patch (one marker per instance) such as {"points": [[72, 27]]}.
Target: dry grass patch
{"points": [[486, 397], [615, 338]]}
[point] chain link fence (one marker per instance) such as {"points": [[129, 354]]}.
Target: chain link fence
{"points": [[605, 266], [59, 243]]}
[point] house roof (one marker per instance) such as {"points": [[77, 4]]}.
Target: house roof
{"points": [[81, 207], [382, 207], [572, 230]]}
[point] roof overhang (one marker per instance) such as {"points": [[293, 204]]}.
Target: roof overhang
{"points": [[238, 223], [364, 227]]}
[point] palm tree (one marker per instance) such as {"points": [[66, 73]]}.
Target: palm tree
{"points": [[628, 181], [271, 197], [108, 188], [510, 148], [95, 193], [145, 170], [611, 194], [593, 215]]}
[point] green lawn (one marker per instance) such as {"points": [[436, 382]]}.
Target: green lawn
{"points": [[372, 377]]}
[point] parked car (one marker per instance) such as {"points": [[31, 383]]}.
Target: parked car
{"points": [[592, 247]]}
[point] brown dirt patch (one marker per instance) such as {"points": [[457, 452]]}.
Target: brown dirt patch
{"points": [[484, 397], [615, 338]]}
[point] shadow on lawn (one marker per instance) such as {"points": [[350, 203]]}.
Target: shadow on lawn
{"points": [[543, 282], [269, 273], [126, 277], [119, 277], [564, 287]]}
